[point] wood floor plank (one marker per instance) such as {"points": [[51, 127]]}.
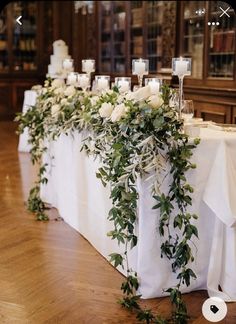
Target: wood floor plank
{"points": [[48, 272]]}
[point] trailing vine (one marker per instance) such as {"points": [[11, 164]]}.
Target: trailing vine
{"points": [[135, 135]]}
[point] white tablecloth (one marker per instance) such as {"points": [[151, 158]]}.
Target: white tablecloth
{"points": [[29, 100], [84, 204]]}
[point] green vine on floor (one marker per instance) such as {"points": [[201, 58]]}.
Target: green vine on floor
{"points": [[135, 135]]}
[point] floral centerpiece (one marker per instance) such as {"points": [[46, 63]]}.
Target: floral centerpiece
{"points": [[134, 134]]}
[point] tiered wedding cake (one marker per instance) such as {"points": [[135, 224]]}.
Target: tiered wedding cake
{"points": [[60, 52]]}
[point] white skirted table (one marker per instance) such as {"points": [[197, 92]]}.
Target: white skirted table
{"points": [[83, 203], [29, 100]]}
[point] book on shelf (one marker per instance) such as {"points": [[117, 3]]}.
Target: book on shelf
{"points": [[138, 45], [137, 17], [224, 41]]}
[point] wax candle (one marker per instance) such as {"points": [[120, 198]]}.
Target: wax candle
{"points": [[67, 64], [72, 78], [154, 87], [88, 66], [181, 67], [123, 85], [102, 84], [139, 67], [83, 81]]}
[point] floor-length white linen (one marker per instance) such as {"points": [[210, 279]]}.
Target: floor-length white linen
{"points": [[29, 100], [84, 204]]}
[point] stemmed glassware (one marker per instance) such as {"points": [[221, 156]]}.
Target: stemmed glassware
{"points": [[88, 66], [140, 67], [181, 67], [187, 110], [83, 81]]}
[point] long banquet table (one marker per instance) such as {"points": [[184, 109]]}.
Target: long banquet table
{"points": [[83, 203], [30, 97]]}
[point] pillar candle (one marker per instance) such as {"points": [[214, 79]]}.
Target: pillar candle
{"points": [[88, 66], [102, 84], [71, 79], [139, 68], [123, 85], [154, 87], [83, 81], [181, 67]]}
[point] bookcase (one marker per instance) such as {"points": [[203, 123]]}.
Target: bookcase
{"points": [[208, 37], [134, 29]]}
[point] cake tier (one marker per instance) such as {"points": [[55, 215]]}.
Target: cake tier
{"points": [[54, 69], [56, 60], [60, 50]]}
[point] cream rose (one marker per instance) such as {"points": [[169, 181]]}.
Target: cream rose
{"points": [[57, 83], [106, 110], [118, 112], [59, 91], [140, 94], [64, 101], [94, 100], [55, 110], [70, 91], [155, 101]]}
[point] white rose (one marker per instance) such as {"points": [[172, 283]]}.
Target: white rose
{"points": [[64, 101], [59, 91], [56, 83], [55, 109], [70, 91], [49, 100], [118, 112], [155, 101], [106, 110], [129, 95], [140, 94], [94, 100]]}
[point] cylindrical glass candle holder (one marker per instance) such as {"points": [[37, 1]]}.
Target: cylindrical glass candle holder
{"points": [[68, 65], [154, 84], [102, 82], [123, 84], [83, 81], [181, 66], [140, 67], [72, 78], [88, 66]]}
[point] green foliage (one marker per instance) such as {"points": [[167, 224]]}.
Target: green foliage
{"points": [[143, 141]]}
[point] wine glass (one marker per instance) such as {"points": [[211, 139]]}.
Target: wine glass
{"points": [[174, 99], [187, 110]]}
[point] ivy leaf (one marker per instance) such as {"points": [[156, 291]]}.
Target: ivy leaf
{"points": [[117, 259]]}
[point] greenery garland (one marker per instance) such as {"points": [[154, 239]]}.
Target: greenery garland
{"points": [[135, 134]]}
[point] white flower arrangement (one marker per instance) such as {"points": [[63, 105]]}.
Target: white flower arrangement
{"points": [[106, 110], [57, 83], [55, 110], [119, 112], [70, 91], [155, 101]]}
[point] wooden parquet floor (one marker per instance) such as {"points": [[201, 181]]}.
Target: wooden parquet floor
{"points": [[48, 272]]}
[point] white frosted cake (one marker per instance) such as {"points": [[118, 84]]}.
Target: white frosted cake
{"points": [[60, 52]]}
